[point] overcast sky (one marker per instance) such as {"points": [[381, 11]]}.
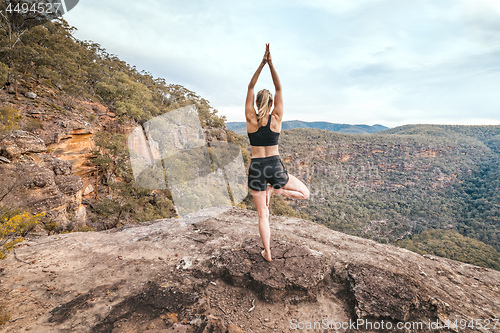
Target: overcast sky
{"points": [[389, 62]]}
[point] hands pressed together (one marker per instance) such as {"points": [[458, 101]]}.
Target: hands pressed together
{"points": [[267, 56]]}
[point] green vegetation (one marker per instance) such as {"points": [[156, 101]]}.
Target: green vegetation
{"points": [[49, 56], [67, 73], [9, 118], [400, 182], [277, 206], [15, 224], [451, 244], [124, 201]]}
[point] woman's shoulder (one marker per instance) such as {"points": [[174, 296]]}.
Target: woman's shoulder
{"points": [[275, 117], [252, 124], [275, 122]]}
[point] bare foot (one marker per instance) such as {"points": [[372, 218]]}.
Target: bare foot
{"points": [[269, 192], [266, 256]]}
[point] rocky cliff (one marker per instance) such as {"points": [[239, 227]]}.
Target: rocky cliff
{"points": [[46, 167], [204, 273], [39, 182]]}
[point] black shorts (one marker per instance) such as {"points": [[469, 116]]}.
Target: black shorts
{"points": [[265, 170]]}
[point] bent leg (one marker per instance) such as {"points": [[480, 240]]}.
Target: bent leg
{"points": [[259, 198], [294, 189]]}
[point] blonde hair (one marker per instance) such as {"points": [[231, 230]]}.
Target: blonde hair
{"points": [[263, 100]]}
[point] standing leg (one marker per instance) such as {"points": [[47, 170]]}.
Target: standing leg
{"points": [[269, 192], [259, 198]]}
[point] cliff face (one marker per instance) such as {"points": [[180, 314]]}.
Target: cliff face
{"points": [[204, 273], [39, 182], [47, 165], [67, 134]]}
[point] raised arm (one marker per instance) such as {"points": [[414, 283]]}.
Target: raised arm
{"points": [[249, 108], [278, 98]]}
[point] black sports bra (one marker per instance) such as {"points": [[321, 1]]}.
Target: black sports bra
{"points": [[264, 137]]}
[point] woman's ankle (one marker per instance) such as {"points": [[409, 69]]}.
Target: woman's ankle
{"points": [[266, 256]]}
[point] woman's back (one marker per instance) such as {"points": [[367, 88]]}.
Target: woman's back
{"points": [[264, 136], [264, 139], [253, 125]]}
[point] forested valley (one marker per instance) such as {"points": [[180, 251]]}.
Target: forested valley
{"points": [[422, 187]]}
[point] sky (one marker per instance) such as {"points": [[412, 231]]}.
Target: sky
{"points": [[388, 62]]}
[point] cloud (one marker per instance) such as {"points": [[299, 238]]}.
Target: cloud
{"points": [[358, 61]]}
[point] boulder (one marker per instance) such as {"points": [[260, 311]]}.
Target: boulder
{"points": [[58, 166], [31, 95], [89, 189], [68, 184], [19, 142]]}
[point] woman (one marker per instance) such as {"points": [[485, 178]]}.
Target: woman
{"points": [[267, 175]]}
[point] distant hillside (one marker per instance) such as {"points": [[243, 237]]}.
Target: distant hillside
{"points": [[400, 182], [451, 244], [240, 127]]}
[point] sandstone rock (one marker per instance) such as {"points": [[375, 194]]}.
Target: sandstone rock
{"points": [[58, 166], [215, 135], [82, 131], [30, 94], [231, 328], [214, 324], [75, 149], [81, 215], [295, 270], [19, 142], [33, 176], [36, 112], [89, 189], [127, 279], [178, 328], [68, 184], [44, 184], [381, 294]]}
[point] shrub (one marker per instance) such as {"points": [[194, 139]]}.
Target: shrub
{"points": [[9, 117], [451, 244], [4, 316], [84, 228], [32, 125], [15, 224], [278, 206], [50, 227], [4, 73]]}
